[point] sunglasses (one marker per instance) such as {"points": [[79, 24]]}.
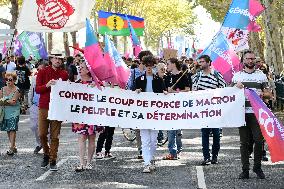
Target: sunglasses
{"points": [[9, 79]]}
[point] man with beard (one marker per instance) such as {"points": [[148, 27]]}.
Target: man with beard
{"points": [[45, 78], [208, 78], [252, 78]]}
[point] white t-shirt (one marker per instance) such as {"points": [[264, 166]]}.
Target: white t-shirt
{"points": [[11, 67]]}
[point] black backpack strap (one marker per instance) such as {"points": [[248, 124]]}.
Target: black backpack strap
{"points": [[217, 77]]}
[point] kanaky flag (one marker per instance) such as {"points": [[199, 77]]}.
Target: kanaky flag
{"points": [[271, 128], [224, 58], [116, 24], [54, 15], [135, 41], [122, 71]]}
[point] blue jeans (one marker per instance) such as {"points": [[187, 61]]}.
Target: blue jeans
{"points": [[178, 140], [205, 142], [175, 144]]}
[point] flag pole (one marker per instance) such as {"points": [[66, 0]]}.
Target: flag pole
{"points": [[179, 78]]}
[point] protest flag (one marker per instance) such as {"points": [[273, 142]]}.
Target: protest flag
{"points": [[272, 129], [33, 45], [55, 15], [135, 41], [93, 53], [116, 24], [240, 20], [17, 47], [113, 58], [4, 49], [108, 56], [224, 58]]}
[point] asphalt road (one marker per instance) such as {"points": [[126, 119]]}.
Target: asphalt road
{"points": [[125, 171]]}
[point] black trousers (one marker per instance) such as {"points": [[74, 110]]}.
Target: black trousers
{"points": [[248, 133], [106, 137]]}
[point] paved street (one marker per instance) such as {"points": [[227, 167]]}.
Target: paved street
{"points": [[23, 170]]}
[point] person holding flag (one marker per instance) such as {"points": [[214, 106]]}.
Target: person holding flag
{"points": [[256, 80]]}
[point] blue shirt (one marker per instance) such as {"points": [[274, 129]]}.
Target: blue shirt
{"points": [[149, 87]]}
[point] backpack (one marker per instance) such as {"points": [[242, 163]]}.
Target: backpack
{"points": [[215, 75]]}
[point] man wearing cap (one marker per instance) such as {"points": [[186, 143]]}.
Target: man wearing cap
{"points": [[149, 82], [45, 78]]}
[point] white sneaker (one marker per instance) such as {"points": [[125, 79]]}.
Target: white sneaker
{"points": [[147, 169], [99, 155], [89, 166], [153, 165]]}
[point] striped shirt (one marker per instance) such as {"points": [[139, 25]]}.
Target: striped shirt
{"points": [[256, 81], [213, 80]]}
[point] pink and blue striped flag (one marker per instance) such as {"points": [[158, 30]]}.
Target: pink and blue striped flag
{"points": [[108, 56], [135, 41], [224, 58], [242, 14], [114, 58], [93, 53], [272, 129]]}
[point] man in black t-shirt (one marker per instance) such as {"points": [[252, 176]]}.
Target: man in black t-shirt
{"points": [[23, 83]]}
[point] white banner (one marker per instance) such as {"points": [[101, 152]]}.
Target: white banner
{"points": [[54, 15], [79, 103]]}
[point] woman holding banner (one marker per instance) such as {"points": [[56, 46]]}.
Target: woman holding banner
{"points": [[85, 131], [149, 82]]}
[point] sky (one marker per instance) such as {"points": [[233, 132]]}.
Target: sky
{"points": [[205, 30]]}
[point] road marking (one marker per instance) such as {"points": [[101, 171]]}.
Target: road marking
{"points": [[200, 177], [47, 173]]}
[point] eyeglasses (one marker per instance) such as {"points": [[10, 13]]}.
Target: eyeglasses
{"points": [[201, 61], [9, 79], [250, 59]]}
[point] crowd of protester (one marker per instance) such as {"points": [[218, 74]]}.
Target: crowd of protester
{"points": [[25, 85]]}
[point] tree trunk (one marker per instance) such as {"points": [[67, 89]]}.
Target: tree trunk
{"points": [[14, 12], [66, 44], [256, 44], [273, 49], [49, 42], [74, 38]]}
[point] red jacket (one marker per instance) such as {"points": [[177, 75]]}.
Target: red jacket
{"points": [[43, 77]]}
